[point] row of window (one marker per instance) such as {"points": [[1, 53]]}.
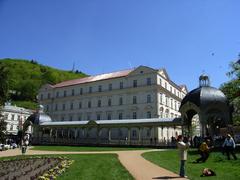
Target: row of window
{"points": [[79, 133], [99, 103], [99, 89], [171, 89], [99, 116], [168, 115], [169, 102], [14, 117]]}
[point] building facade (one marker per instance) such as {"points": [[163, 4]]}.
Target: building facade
{"points": [[139, 93], [15, 118]]}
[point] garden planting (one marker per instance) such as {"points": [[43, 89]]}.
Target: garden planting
{"points": [[43, 168]]}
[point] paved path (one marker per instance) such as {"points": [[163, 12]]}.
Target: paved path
{"points": [[140, 168]]}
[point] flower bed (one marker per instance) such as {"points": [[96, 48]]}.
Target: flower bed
{"points": [[43, 168]]}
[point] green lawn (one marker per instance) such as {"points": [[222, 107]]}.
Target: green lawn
{"points": [[92, 167], [225, 169], [84, 148]]}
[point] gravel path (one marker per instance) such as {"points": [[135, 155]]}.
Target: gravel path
{"points": [[140, 168]]}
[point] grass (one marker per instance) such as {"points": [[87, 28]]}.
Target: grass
{"points": [[92, 167], [225, 169], [84, 148]]}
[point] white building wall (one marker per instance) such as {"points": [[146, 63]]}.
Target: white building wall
{"points": [[14, 115], [160, 84]]}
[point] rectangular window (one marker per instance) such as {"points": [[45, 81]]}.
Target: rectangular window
{"points": [[120, 116], [99, 103], [161, 98], [109, 116], [80, 105], [149, 115], [90, 90], [79, 117], [165, 85], [6, 116], [121, 85], [149, 98], [134, 83], [134, 115], [71, 106], [57, 94], [70, 118], [160, 81], [120, 101], [63, 107], [99, 88], [109, 102], [89, 104], [110, 87], [49, 95], [98, 117], [56, 107], [134, 133], [81, 91], [89, 117], [134, 99], [73, 93], [170, 88], [64, 93], [47, 108], [149, 82], [18, 117]]}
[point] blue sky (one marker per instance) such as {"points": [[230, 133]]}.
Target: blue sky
{"points": [[185, 37]]}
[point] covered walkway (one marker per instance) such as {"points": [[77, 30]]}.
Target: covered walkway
{"points": [[148, 132]]}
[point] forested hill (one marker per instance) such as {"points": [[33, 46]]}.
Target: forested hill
{"points": [[26, 77]]}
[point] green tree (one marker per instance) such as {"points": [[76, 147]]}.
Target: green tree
{"points": [[3, 98], [232, 90]]}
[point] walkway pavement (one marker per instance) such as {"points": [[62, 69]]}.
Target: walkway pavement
{"points": [[140, 168]]}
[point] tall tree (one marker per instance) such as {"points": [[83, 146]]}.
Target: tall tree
{"points": [[3, 98], [232, 90]]}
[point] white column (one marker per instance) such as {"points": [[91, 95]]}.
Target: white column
{"points": [[109, 134], [139, 134], [129, 135]]}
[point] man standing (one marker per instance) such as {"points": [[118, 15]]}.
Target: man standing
{"points": [[229, 146], [183, 147]]}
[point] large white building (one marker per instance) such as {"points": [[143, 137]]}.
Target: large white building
{"points": [[15, 117], [139, 93]]}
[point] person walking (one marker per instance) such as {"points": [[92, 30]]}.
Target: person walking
{"points": [[183, 147], [229, 146], [204, 150]]}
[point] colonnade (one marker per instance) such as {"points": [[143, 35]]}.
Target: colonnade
{"points": [[144, 135]]}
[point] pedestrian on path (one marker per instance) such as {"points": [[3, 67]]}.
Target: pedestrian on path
{"points": [[183, 147], [229, 146]]}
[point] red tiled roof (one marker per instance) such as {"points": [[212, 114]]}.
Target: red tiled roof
{"points": [[94, 78]]}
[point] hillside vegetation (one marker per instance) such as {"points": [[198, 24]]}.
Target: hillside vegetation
{"points": [[26, 77]]}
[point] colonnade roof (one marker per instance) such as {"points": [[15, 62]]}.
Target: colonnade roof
{"points": [[124, 122]]}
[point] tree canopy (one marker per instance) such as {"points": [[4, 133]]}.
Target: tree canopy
{"points": [[3, 97], [232, 90]]}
